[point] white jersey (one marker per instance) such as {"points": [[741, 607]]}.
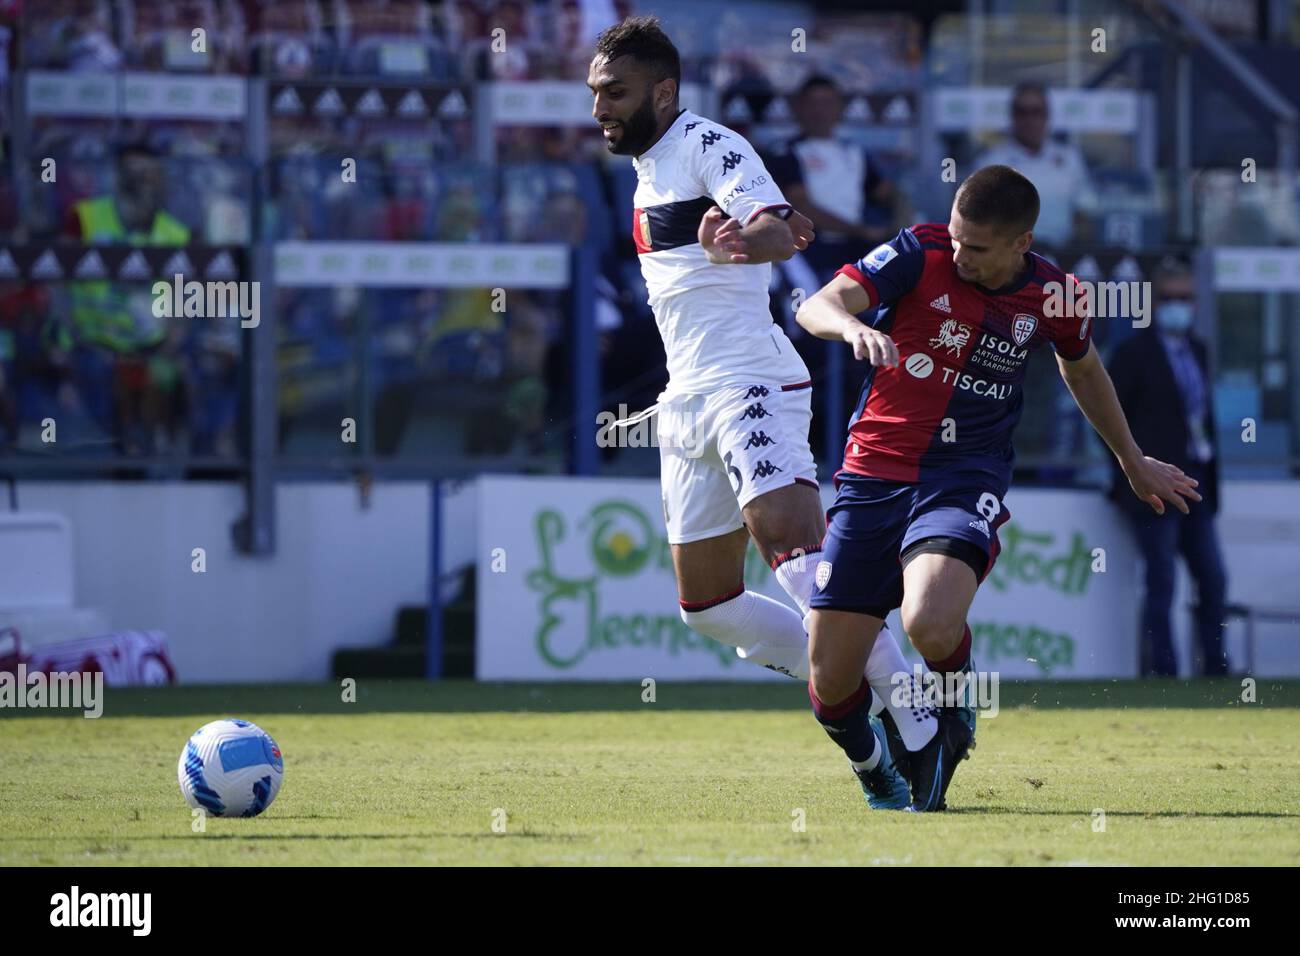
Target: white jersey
{"points": [[714, 319]]}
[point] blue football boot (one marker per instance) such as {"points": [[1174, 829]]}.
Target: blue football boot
{"points": [[884, 787], [934, 764]]}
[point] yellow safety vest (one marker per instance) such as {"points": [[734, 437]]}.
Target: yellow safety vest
{"points": [[99, 308]]}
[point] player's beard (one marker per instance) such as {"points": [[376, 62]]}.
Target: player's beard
{"points": [[638, 131]]}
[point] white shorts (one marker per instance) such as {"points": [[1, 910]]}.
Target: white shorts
{"points": [[721, 450]]}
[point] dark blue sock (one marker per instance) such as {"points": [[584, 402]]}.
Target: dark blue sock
{"points": [[847, 724]]}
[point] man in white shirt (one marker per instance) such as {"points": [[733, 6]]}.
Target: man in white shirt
{"points": [[1057, 170], [833, 178], [733, 421]]}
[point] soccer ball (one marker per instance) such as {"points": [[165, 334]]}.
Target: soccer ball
{"points": [[230, 768]]}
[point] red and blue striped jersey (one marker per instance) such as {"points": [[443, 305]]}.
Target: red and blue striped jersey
{"points": [[953, 401]]}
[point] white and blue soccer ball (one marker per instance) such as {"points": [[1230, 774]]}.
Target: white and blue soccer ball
{"points": [[230, 768]]}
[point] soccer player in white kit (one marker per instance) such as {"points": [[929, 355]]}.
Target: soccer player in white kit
{"points": [[734, 419]]}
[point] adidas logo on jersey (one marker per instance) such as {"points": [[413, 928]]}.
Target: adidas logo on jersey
{"points": [[941, 304]]}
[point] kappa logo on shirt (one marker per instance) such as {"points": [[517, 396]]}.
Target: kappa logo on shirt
{"points": [[709, 138], [731, 161]]}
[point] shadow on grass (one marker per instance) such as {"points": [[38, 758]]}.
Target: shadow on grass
{"points": [[121, 843], [209, 701], [1086, 814]]}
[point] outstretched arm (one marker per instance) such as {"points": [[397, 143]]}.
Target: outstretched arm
{"points": [[832, 314], [1155, 482]]}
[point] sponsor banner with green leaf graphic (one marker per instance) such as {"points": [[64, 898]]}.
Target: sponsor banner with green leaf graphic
{"points": [[575, 582]]}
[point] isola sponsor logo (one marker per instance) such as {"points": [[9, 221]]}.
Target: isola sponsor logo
{"points": [[998, 355], [978, 386]]}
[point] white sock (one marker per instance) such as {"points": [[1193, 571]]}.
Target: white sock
{"points": [[750, 621], [871, 762], [903, 698], [797, 574]]}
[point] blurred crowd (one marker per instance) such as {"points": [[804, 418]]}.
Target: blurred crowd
{"points": [[437, 371]]}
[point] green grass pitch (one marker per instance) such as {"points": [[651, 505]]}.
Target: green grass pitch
{"points": [[417, 773]]}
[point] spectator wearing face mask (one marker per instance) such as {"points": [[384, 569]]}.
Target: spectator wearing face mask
{"points": [[1162, 378]]}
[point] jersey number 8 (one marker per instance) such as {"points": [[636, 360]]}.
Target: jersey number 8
{"points": [[989, 506]]}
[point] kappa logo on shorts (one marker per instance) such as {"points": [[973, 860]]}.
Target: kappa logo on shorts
{"points": [[823, 576], [757, 391], [758, 440], [755, 411], [979, 524], [765, 469]]}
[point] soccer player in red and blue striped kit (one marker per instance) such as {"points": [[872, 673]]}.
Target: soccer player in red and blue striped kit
{"points": [[958, 309]]}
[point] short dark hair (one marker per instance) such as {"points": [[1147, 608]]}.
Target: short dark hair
{"points": [[998, 196], [644, 40], [819, 81], [1029, 86]]}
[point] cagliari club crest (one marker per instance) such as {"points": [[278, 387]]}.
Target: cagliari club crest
{"points": [[1023, 327]]}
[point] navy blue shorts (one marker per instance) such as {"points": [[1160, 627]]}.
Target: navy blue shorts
{"points": [[874, 521]]}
